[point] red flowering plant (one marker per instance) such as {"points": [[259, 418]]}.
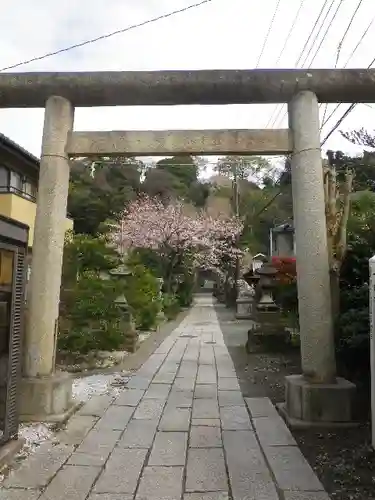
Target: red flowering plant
{"points": [[286, 269], [286, 287]]}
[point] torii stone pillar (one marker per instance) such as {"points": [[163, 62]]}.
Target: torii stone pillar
{"points": [[46, 394], [317, 396]]}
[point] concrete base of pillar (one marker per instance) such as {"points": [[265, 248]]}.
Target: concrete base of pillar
{"points": [[244, 308], [46, 399], [317, 405], [9, 450], [240, 315]]}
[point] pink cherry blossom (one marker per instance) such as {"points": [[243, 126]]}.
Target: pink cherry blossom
{"points": [[147, 223]]}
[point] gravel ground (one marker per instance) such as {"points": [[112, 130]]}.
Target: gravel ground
{"points": [[83, 389]]}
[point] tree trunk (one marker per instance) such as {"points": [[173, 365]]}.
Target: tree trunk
{"points": [[227, 291], [168, 287], [337, 208], [173, 262]]}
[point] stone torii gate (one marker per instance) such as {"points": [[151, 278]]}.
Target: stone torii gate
{"points": [[315, 397]]}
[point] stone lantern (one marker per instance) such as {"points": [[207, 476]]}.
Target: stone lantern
{"points": [[267, 282], [258, 260], [269, 328], [245, 300], [251, 278], [121, 273]]}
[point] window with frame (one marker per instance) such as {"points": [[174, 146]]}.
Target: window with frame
{"points": [[29, 189], [15, 182], [4, 179]]}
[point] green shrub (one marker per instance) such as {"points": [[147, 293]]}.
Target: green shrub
{"points": [[352, 335], [185, 290], [171, 306], [142, 294], [150, 259], [84, 253], [286, 297], [353, 328], [89, 318], [176, 269]]}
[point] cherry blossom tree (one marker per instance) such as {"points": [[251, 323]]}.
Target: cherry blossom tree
{"points": [[176, 235], [222, 250]]}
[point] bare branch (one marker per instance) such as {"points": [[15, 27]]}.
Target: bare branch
{"points": [[360, 137]]}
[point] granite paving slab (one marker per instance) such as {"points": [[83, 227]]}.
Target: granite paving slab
{"points": [[181, 429], [161, 483], [169, 449], [122, 471], [205, 437], [71, 483], [206, 470], [139, 434]]}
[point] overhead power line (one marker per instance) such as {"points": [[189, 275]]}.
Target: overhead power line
{"points": [[352, 106], [287, 38], [278, 113], [326, 32], [312, 32], [338, 123], [107, 35], [323, 38], [317, 34], [268, 32], [347, 112], [347, 31], [360, 41], [324, 119], [339, 47], [329, 26], [269, 203], [277, 117], [279, 192], [338, 57]]}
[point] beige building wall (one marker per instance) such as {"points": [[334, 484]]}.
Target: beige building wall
{"points": [[23, 210]]}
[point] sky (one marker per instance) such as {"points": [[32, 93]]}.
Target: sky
{"points": [[223, 34]]}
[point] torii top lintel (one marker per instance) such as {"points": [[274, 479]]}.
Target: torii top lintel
{"points": [[137, 88]]}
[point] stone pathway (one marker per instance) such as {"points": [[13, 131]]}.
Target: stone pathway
{"points": [[180, 430]]}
